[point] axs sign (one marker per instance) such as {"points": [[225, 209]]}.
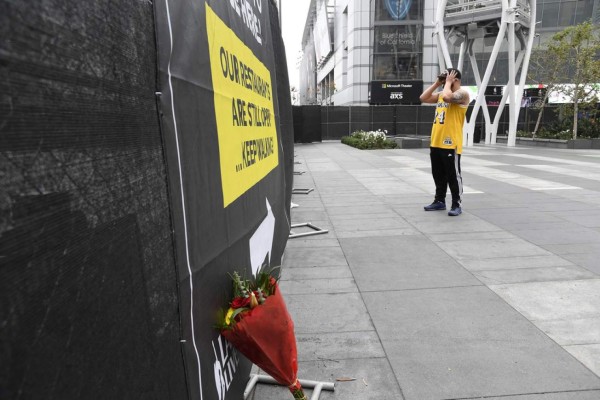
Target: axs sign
{"points": [[395, 92]]}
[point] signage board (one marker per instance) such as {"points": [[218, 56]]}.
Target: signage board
{"points": [[395, 92]]}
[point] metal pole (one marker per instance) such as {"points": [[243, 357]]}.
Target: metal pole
{"points": [[486, 76], [527, 52], [280, 16], [486, 112], [461, 55], [512, 123], [503, 102], [350, 120], [439, 28]]}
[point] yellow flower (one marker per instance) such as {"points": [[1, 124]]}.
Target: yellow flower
{"points": [[228, 316]]}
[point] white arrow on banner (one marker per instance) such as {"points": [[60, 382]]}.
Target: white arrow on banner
{"points": [[261, 242]]}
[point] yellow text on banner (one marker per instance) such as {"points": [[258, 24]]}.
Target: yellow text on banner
{"points": [[244, 111]]}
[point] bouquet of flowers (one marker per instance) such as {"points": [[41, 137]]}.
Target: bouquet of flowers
{"points": [[258, 324]]}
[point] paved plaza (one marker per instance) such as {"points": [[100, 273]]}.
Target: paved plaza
{"points": [[501, 302]]}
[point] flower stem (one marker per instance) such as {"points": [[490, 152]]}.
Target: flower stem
{"points": [[299, 394], [297, 391]]}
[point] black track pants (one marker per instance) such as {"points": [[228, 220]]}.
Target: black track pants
{"points": [[445, 168]]}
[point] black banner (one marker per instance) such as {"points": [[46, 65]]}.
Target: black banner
{"points": [[223, 99], [395, 92], [88, 285], [493, 95]]}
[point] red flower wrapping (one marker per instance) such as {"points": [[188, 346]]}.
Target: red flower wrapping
{"points": [[265, 335]]}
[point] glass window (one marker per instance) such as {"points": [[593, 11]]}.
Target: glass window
{"points": [[399, 38], [567, 13], [397, 42], [538, 12], [383, 67], [396, 66], [584, 11], [550, 15], [398, 10]]}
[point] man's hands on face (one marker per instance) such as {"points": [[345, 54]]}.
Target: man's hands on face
{"points": [[451, 78]]}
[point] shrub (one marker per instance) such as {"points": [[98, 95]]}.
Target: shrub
{"points": [[588, 128], [564, 134], [369, 140]]}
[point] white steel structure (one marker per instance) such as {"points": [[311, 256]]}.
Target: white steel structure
{"points": [[462, 22]]}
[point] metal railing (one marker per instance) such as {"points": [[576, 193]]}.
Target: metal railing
{"points": [[316, 123], [463, 11]]}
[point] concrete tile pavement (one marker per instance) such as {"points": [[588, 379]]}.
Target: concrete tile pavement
{"points": [[502, 302]]}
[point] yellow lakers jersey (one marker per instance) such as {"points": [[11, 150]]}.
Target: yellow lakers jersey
{"points": [[447, 130]]}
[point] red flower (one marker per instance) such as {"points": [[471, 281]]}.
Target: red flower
{"points": [[240, 302]]}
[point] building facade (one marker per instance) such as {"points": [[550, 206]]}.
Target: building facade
{"points": [[360, 52]]}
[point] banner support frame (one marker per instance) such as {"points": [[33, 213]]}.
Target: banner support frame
{"points": [[317, 386]]}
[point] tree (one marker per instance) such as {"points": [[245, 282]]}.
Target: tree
{"points": [[546, 72], [294, 95], [574, 52]]}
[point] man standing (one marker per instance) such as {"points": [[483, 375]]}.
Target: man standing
{"points": [[446, 138]]}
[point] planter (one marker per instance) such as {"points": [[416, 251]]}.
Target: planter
{"points": [[579, 144], [411, 142], [553, 143]]}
